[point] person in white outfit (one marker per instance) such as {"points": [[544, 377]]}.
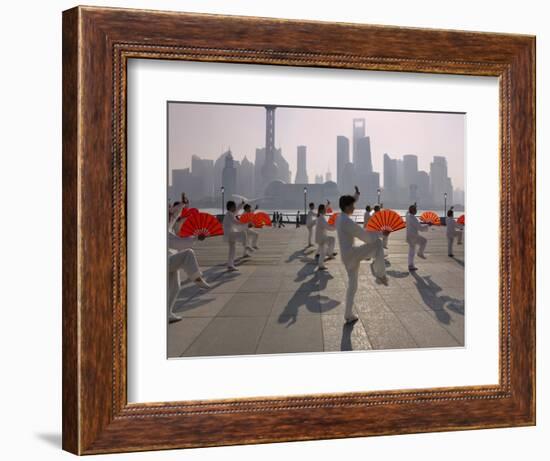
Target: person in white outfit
{"points": [[453, 230], [310, 223], [377, 209], [252, 236], [235, 231], [414, 226], [181, 257], [352, 255], [366, 216], [325, 242]]}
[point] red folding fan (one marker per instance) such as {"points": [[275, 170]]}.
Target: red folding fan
{"points": [[247, 217], [262, 219], [461, 220], [385, 220], [333, 218], [429, 217], [201, 224], [187, 212]]}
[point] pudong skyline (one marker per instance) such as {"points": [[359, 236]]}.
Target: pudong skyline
{"points": [[207, 130], [400, 177]]}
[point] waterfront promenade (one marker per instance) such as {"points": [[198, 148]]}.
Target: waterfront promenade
{"points": [[279, 303]]}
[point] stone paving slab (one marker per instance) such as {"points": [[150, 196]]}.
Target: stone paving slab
{"points": [[279, 303]]}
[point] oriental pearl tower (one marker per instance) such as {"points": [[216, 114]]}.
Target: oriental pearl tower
{"points": [[269, 169]]}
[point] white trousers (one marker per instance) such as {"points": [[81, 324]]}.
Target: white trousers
{"points": [[385, 241], [252, 237], [309, 235], [352, 264], [232, 238], [326, 248], [421, 242], [187, 261], [450, 241]]}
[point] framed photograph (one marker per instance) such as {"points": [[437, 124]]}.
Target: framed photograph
{"points": [[265, 236]]}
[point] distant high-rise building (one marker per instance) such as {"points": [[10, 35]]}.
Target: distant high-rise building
{"points": [[459, 197], [283, 170], [301, 170], [229, 177], [347, 179], [184, 182], [440, 183], [362, 158], [269, 167], [203, 169], [328, 176], [319, 179], [423, 189], [358, 133], [342, 158], [245, 178], [390, 177], [410, 169]]}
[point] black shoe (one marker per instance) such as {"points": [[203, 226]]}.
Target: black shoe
{"points": [[451, 256]]}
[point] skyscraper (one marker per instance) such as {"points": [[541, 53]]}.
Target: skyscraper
{"points": [[363, 158], [358, 132], [301, 170], [245, 178], [269, 168], [328, 176], [229, 177], [390, 177], [342, 158], [318, 179], [410, 169], [440, 182]]}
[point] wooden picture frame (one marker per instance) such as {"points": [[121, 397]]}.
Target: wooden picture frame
{"points": [[97, 43]]}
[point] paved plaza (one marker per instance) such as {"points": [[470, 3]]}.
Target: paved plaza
{"points": [[279, 303]]}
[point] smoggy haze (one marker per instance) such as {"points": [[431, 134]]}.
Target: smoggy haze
{"points": [[207, 130]]}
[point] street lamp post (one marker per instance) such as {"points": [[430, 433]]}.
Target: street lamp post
{"points": [[305, 200], [378, 191], [223, 199], [445, 196]]}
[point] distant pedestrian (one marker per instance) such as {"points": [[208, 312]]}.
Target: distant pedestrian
{"points": [[310, 222], [281, 223], [297, 219], [274, 220]]}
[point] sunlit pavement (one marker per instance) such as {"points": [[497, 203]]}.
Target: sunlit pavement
{"points": [[279, 303]]}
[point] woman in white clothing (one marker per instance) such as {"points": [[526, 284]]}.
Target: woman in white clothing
{"points": [[325, 242], [453, 230], [413, 238], [366, 216]]}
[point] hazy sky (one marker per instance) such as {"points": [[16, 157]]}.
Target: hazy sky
{"points": [[207, 130]]}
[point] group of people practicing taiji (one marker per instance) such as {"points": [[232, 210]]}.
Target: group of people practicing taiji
{"points": [[374, 243], [182, 256]]}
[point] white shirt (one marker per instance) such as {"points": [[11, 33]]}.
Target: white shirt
{"points": [[366, 218], [232, 224], [348, 231], [310, 219], [413, 227], [321, 229], [451, 226]]}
